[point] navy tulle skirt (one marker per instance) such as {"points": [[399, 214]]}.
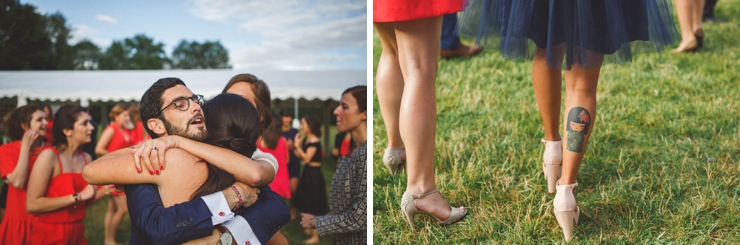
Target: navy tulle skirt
{"points": [[580, 31]]}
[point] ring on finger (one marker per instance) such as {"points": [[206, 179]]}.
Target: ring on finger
{"points": [[155, 148]]}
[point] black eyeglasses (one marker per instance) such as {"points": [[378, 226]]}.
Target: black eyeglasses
{"points": [[183, 103]]}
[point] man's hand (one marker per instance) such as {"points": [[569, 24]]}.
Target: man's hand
{"points": [[151, 153], [248, 193]]}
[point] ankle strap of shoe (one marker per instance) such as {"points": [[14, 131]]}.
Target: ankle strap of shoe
{"points": [[544, 141], [425, 194]]}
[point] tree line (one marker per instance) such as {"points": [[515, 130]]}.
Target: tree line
{"points": [[32, 41]]}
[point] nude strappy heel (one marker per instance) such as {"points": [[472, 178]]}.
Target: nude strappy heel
{"points": [[552, 162], [566, 209], [392, 160], [410, 210]]}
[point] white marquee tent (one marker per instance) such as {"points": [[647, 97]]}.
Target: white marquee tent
{"points": [[87, 86]]}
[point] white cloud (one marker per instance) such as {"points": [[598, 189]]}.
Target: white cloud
{"points": [[80, 32], [295, 34], [106, 19]]}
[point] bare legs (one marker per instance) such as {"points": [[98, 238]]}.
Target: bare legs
{"points": [[580, 112], [546, 82], [580, 87], [689, 17], [405, 80], [117, 208]]}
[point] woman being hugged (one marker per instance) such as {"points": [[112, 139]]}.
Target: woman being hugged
{"points": [[57, 194], [310, 197], [26, 126], [348, 203]]}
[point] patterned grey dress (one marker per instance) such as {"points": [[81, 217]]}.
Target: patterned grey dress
{"points": [[347, 218]]}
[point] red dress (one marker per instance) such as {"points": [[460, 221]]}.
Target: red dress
{"points": [[136, 134], [17, 223], [281, 183], [48, 130], [66, 225], [403, 10], [117, 142]]}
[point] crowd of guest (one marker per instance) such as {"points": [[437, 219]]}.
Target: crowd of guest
{"points": [[44, 160]]}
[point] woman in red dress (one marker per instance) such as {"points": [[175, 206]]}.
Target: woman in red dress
{"points": [[272, 142], [57, 194], [115, 137], [26, 126], [410, 33]]}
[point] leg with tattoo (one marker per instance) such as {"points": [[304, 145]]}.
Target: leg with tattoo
{"points": [[578, 122]]}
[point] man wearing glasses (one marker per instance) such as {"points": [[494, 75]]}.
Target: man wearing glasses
{"points": [[170, 108]]}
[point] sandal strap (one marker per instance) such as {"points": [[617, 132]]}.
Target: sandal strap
{"points": [[425, 194], [544, 141], [456, 214]]}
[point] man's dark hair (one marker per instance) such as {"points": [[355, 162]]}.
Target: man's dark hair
{"points": [[151, 101]]}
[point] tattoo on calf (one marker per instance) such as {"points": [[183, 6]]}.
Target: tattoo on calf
{"points": [[579, 121]]}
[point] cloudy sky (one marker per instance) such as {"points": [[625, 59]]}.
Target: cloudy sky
{"points": [[282, 34]]}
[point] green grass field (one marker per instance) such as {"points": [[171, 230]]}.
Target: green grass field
{"points": [[661, 165]]}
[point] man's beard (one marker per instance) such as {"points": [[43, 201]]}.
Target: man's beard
{"points": [[175, 130]]}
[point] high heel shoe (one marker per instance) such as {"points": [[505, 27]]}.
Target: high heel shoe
{"points": [[566, 209], [552, 162], [392, 160], [409, 210]]}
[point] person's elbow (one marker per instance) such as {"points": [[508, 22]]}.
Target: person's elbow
{"points": [[31, 207], [100, 151], [18, 183], [88, 173]]}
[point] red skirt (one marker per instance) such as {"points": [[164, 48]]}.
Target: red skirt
{"points": [[58, 233], [403, 10], [16, 230]]}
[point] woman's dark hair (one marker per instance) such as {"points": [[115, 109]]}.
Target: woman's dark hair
{"points": [[151, 101], [360, 95], [271, 136], [235, 125], [285, 112], [314, 125], [51, 112], [20, 116], [261, 95], [65, 118]]}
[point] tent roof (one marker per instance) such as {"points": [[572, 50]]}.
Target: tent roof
{"points": [[129, 85]]}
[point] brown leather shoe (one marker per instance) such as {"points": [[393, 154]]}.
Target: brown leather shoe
{"points": [[461, 51]]}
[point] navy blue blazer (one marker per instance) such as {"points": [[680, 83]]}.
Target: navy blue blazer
{"points": [[153, 224]]}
